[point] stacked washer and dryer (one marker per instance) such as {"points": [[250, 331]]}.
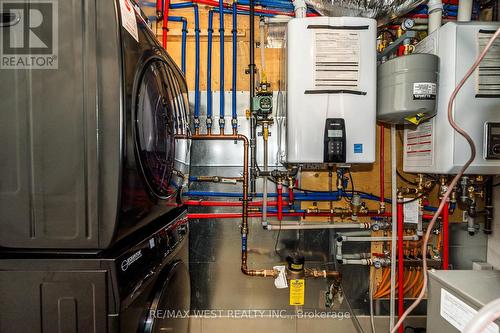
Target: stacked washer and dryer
{"points": [[93, 233]]}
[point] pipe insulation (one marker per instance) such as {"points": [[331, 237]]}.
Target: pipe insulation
{"points": [[382, 10]]}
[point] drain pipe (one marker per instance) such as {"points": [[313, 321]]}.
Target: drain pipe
{"points": [[435, 10], [464, 10], [300, 8]]}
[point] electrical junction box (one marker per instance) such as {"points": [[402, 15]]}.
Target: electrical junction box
{"points": [[331, 90], [455, 296], [433, 146]]}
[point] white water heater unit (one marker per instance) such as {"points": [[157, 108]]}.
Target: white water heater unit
{"points": [[331, 90], [433, 146]]}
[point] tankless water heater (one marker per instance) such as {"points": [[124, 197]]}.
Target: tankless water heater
{"points": [[331, 90], [433, 146]]}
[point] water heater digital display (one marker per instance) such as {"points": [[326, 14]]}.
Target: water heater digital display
{"points": [[492, 141]]}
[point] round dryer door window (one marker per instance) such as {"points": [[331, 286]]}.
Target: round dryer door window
{"points": [[155, 129]]}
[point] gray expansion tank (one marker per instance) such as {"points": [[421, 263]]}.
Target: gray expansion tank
{"points": [[407, 87]]}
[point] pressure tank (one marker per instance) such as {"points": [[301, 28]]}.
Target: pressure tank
{"points": [[407, 88]]}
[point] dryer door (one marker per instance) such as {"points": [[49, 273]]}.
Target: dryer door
{"points": [[170, 302], [154, 129]]}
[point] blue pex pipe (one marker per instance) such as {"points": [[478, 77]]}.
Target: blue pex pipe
{"points": [[184, 37], [318, 196], [243, 12], [235, 59], [197, 60], [209, 66], [221, 58]]}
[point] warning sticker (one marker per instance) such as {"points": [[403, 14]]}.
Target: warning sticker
{"points": [[418, 143], [411, 211], [297, 288], [458, 313], [128, 18], [424, 91]]}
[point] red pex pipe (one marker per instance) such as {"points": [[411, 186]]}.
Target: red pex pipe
{"points": [[159, 9], [280, 201], [166, 5], [258, 214], [446, 237], [401, 293], [227, 203]]}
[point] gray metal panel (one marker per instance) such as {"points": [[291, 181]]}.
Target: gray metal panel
{"points": [[47, 301], [49, 195], [476, 288], [111, 101]]}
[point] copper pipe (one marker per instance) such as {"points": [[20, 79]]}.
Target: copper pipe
{"points": [[315, 273], [244, 225]]}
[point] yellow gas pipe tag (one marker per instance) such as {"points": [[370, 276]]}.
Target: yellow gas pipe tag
{"points": [[297, 288]]}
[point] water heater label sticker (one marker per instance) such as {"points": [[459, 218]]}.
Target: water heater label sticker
{"points": [[336, 59], [488, 75], [419, 143], [128, 18], [459, 313], [411, 211], [424, 91]]}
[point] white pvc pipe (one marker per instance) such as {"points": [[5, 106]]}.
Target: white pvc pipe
{"points": [[364, 262], [262, 34], [481, 320], [300, 8], [378, 239], [435, 10], [310, 226], [264, 185], [464, 10], [394, 194]]}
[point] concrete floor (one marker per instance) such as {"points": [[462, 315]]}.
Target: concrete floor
{"points": [[292, 325]]}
